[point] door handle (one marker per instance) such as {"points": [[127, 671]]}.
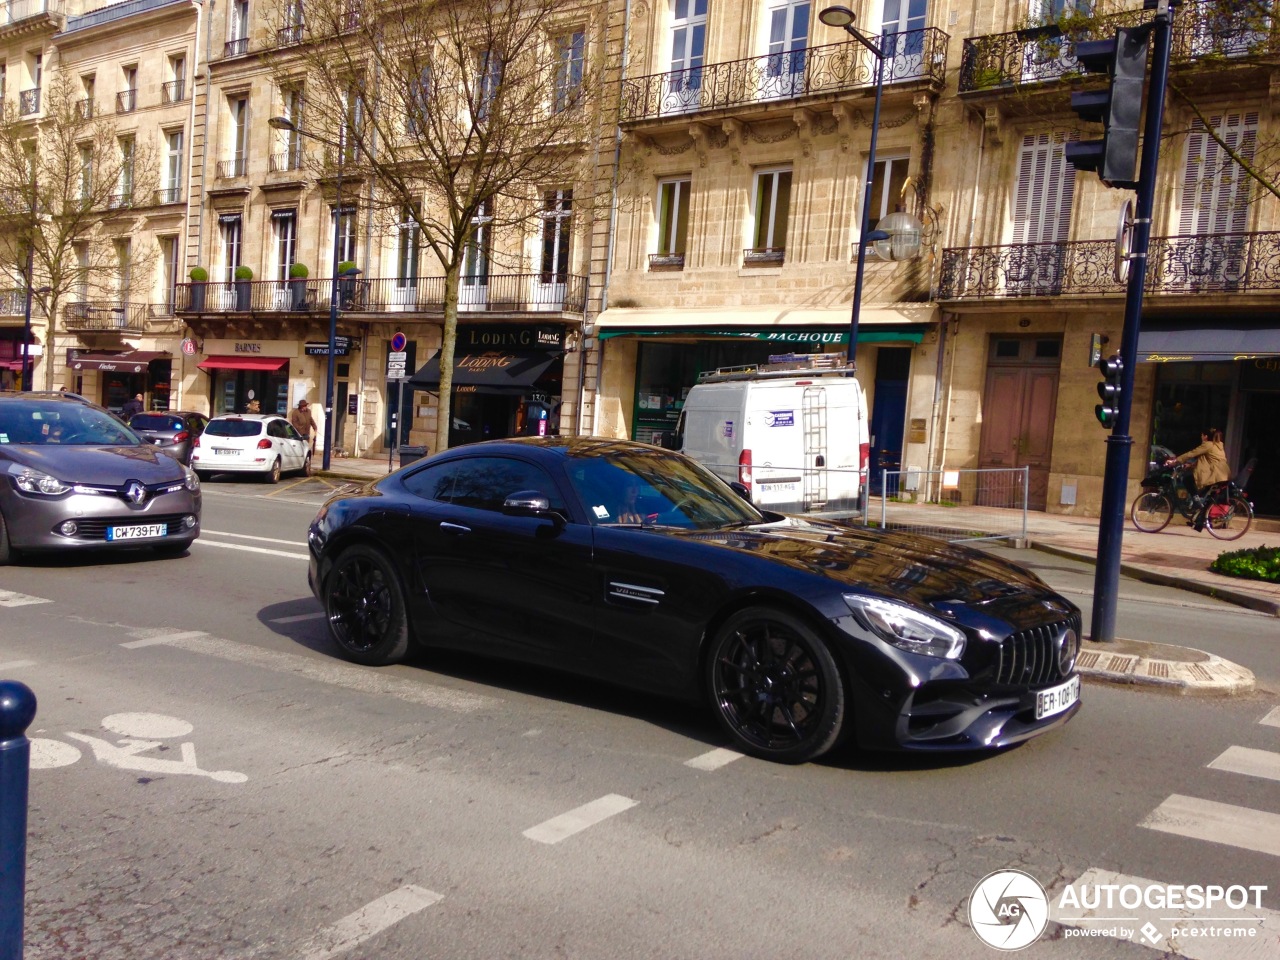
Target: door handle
{"points": [[447, 527]]}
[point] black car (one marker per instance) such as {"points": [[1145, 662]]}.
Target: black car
{"points": [[171, 431], [637, 566]]}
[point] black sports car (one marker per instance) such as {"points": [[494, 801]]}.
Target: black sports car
{"points": [[637, 566]]}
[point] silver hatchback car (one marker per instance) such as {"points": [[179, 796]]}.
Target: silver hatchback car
{"points": [[72, 476]]}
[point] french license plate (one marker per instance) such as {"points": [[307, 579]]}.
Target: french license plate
{"points": [[1056, 699], [138, 531], [225, 451]]}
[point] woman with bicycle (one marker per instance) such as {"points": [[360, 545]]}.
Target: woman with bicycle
{"points": [[1211, 467]]}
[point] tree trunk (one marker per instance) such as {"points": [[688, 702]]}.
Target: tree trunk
{"points": [[444, 408]]}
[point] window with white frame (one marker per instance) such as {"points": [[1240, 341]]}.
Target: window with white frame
{"points": [[284, 227], [171, 191], [229, 245], [86, 173], [557, 217], [571, 51], [238, 28], [688, 41], [124, 183], [673, 221], [169, 271], [479, 248], [887, 181], [124, 269], [417, 102], [175, 88], [489, 67], [771, 212], [291, 107], [408, 246], [80, 291], [352, 122], [344, 233], [238, 107], [788, 40]]}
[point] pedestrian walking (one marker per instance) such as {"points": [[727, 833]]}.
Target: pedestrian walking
{"points": [[301, 419], [131, 407]]}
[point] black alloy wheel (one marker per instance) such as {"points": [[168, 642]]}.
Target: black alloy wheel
{"points": [[364, 604], [776, 688], [1151, 511]]}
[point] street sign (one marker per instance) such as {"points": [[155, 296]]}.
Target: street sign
{"points": [[398, 342], [397, 361]]}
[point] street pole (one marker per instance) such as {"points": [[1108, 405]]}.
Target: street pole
{"points": [[31, 268], [864, 230], [1106, 582], [333, 311]]}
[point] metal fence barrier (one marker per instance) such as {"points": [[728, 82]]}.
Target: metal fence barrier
{"points": [[988, 504]]}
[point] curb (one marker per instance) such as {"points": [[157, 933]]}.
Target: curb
{"points": [[1227, 595], [1212, 676]]}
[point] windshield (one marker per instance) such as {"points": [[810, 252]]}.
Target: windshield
{"points": [[37, 422], [155, 421], [233, 428], [656, 488]]}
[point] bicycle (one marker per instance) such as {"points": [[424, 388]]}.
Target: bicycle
{"points": [[1225, 508]]}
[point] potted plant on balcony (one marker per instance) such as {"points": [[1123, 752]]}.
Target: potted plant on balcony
{"points": [[346, 281], [298, 286], [243, 276], [198, 276]]}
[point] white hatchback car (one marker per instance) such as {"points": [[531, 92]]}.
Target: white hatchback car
{"points": [[251, 443]]}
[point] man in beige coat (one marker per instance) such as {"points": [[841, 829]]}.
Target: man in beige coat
{"points": [[301, 420]]}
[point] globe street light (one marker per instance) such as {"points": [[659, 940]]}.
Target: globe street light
{"points": [[284, 123], [843, 17]]}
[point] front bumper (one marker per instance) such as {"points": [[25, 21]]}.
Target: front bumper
{"points": [[33, 522]]}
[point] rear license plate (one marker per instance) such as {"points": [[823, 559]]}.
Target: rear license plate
{"points": [[225, 451], [138, 531], [1056, 699]]}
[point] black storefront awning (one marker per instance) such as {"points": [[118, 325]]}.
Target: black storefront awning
{"points": [[1166, 342], [494, 371], [131, 361]]}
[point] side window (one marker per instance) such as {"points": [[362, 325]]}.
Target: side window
{"points": [[276, 428], [432, 483], [485, 482]]}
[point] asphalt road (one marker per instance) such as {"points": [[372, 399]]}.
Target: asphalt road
{"points": [[213, 782]]}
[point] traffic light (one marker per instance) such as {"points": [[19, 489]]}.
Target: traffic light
{"points": [[1118, 108], [1108, 411]]}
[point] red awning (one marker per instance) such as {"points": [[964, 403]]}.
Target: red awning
{"points": [[242, 363], [15, 365]]}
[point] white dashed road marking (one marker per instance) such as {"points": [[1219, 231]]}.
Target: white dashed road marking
{"points": [[1272, 719], [322, 671], [318, 615], [714, 759], [10, 599], [577, 820], [367, 922], [1218, 823], [245, 549], [249, 536], [17, 664], [1250, 762]]}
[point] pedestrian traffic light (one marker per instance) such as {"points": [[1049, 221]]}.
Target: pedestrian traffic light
{"points": [[1118, 107], [1108, 411]]}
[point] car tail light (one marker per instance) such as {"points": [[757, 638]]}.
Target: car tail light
{"points": [[864, 459], [184, 435], [264, 444], [744, 469], [195, 442]]}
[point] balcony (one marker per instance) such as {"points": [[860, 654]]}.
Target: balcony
{"points": [[913, 55], [230, 169], [289, 35], [13, 303], [175, 91], [105, 316], [505, 293], [1178, 265], [1202, 29], [115, 11], [236, 48], [286, 160], [29, 102], [121, 200], [126, 101], [763, 256], [84, 109], [666, 261], [16, 11], [168, 195]]}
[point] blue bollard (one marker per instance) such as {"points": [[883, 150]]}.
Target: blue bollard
{"points": [[17, 710]]}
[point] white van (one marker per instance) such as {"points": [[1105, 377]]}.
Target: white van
{"points": [[794, 431]]}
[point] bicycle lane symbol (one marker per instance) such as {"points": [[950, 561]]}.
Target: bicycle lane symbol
{"points": [[141, 733]]}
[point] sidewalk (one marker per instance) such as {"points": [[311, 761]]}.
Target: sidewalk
{"points": [[1176, 557]]}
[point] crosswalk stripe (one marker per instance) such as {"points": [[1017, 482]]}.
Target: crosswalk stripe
{"points": [[367, 922], [10, 599], [1250, 762], [579, 819], [1272, 719], [713, 759], [17, 664], [162, 639], [1217, 823]]}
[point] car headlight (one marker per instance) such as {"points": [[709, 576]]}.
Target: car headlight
{"points": [[193, 481], [907, 628], [33, 481]]}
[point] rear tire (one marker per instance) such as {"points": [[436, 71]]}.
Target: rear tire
{"points": [[273, 475], [1235, 524], [306, 467], [365, 606], [1151, 512]]}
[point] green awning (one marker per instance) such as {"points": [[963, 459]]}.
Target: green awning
{"points": [[905, 333]]}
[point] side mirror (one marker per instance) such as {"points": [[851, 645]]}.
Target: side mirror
{"points": [[527, 503], [741, 489]]}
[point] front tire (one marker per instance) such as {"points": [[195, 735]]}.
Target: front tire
{"points": [[775, 686], [1151, 511], [7, 553], [1235, 523], [364, 604], [306, 467]]}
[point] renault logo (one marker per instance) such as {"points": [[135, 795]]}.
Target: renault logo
{"points": [[135, 492]]}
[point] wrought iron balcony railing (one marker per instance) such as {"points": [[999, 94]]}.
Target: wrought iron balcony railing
{"points": [[1216, 29], [13, 303], [912, 55], [236, 48], [29, 102], [120, 200], [763, 256], [286, 160], [175, 91], [1184, 264], [15, 11], [228, 169], [103, 315], [113, 11], [126, 101], [666, 261], [168, 195], [85, 108], [497, 293], [288, 35]]}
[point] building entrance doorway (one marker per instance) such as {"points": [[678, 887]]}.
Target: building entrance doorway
{"points": [[1018, 406]]}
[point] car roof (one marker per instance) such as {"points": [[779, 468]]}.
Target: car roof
{"points": [[559, 447], [45, 395], [247, 416]]}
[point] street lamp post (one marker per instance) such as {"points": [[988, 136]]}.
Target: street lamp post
{"points": [[284, 123], [31, 270], [843, 17]]}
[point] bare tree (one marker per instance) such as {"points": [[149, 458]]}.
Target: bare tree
{"points": [[460, 113], [69, 180]]}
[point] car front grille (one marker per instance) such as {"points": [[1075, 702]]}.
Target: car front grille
{"points": [[96, 528], [1030, 658]]}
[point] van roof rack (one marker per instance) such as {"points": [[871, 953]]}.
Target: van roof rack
{"points": [[781, 365]]}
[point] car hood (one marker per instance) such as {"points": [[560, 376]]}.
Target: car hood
{"points": [[98, 466], [922, 570]]}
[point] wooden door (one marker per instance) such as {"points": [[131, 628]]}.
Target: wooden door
{"points": [[1019, 405]]}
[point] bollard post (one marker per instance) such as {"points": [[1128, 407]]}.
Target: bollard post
{"points": [[17, 710]]}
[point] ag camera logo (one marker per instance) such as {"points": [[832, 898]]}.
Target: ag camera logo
{"points": [[1008, 909]]}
